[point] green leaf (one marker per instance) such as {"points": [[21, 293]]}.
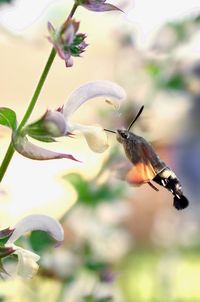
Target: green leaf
{"points": [[8, 118]]}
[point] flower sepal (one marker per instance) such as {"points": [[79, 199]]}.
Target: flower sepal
{"points": [[66, 41], [48, 127], [78, 46], [6, 233], [6, 251]]}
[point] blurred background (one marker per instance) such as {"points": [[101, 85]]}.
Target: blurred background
{"points": [[122, 243]]}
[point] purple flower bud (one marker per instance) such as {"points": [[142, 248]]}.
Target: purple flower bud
{"points": [[66, 41], [54, 123]]}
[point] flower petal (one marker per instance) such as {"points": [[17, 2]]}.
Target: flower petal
{"points": [[51, 29], [101, 7], [37, 222], [69, 62], [91, 90], [27, 149], [95, 137], [68, 34], [55, 123], [27, 263]]}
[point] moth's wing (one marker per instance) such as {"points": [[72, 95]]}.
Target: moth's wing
{"points": [[143, 171]]}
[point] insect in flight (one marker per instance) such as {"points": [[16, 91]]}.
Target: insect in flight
{"points": [[147, 166]]}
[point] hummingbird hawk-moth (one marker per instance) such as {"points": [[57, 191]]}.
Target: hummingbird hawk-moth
{"points": [[147, 166]]}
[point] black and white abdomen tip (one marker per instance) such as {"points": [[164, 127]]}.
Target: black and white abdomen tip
{"points": [[180, 202], [168, 180]]}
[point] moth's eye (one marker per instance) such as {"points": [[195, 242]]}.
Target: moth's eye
{"points": [[124, 135]]}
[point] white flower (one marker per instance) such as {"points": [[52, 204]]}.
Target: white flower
{"points": [[27, 261], [58, 123], [94, 135]]}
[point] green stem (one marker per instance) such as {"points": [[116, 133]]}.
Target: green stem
{"points": [[38, 89], [6, 160], [11, 150], [73, 11]]}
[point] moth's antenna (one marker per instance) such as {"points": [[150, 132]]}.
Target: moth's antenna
{"points": [[139, 112], [108, 130]]}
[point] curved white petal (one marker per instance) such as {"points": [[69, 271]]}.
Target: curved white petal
{"points": [[27, 265], [37, 222], [29, 150], [91, 90], [95, 137]]}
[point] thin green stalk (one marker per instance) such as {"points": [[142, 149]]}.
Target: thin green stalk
{"points": [[11, 150], [72, 11], [38, 89], [61, 295], [6, 160]]}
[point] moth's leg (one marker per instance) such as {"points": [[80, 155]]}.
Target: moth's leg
{"points": [[152, 186]]}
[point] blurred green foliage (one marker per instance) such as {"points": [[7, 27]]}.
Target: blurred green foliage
{"points": [[91, 298], [183, 29], [40, 241], [162, 79], [91, 193], [6, 1], [161, 275], [95, 265]]}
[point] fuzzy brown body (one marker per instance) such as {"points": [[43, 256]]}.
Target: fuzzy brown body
{"points": [[148, 166], [137, 146]]}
